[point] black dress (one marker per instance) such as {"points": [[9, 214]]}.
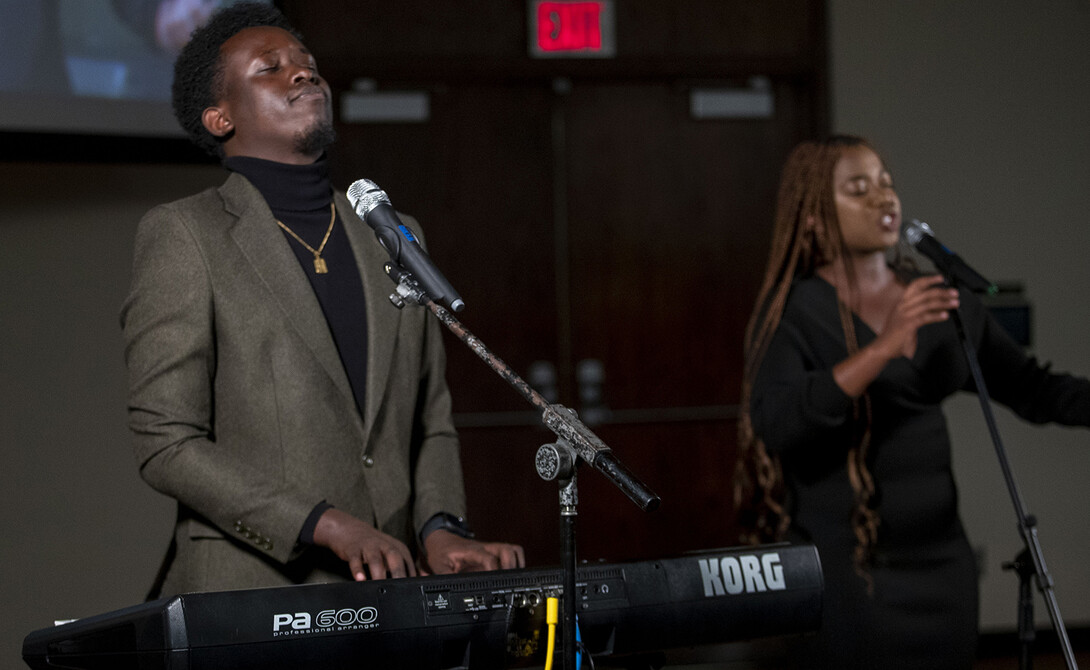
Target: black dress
{"points": [[923, 611]]}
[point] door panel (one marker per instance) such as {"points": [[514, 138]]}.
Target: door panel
{"points": [[670, 220]]}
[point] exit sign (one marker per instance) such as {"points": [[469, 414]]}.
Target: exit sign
{"points": [[571, 29]]}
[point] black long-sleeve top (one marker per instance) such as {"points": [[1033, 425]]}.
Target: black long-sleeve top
{"points": [[922, 611], [800, 413]]}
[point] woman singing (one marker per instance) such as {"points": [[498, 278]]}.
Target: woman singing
{"points": [[849, 354]]}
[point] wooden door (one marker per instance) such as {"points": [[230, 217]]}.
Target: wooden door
{"points": [[669, 225]]}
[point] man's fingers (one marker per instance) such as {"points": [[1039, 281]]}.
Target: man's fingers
{"points": [[355, 564], [377, 565], [400, 563], [451, 554], [396, 565], [507, 555], [385, 562], [520, 556], [489, 561], [511, 556], [404, 559], [472, 559]]}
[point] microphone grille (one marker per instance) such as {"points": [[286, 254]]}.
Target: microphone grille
{"points": [[914, 231], [365, 195]]}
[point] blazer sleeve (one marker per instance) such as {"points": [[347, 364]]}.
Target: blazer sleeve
{"points": [[170, 352], [437, 477]]}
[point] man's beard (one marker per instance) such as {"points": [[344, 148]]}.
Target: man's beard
{"points": [[316, 140]]}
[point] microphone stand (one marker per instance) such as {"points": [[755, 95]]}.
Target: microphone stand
{"points": [[1031, 560], [558, 461]]}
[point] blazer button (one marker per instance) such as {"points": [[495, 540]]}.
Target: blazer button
{"points": [[368, 462]]}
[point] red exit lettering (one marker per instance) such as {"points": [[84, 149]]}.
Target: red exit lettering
{"points": [[569, 26]]}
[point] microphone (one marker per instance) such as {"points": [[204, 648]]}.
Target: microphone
{"points": [[373, 206], [957, 271]]}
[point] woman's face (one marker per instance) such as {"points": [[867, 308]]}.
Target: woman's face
{"points": [[867, 207]]}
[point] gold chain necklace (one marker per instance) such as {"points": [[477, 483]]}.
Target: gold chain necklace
{"points": [[319, 262]]}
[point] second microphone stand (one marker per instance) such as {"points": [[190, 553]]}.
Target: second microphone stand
{"points": [[1031, 560], [558, 461]]}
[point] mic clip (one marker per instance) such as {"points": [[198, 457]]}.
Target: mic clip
{"points": [[408, 289]]}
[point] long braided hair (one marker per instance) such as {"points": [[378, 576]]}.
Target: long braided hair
{"points": [[806, 235]]}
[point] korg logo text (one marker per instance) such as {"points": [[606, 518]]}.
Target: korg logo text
{"points": [[747, 573], [301, 623]]}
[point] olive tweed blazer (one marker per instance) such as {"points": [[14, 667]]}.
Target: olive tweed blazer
{"points": [[241, 408]]}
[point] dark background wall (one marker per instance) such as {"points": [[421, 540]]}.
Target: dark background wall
{"points": [[585, 215]]}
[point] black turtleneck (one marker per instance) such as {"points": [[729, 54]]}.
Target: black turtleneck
{"points": [[300, 196]]}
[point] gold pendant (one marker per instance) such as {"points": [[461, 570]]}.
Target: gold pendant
{"points": [[320, 266]]}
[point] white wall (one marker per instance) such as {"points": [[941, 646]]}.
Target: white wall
{"points": [[982, 110]]}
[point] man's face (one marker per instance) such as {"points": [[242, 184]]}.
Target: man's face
{"points": [[274, 104]]}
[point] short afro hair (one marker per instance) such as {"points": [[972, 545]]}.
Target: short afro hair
{"points": [[198, 71]]}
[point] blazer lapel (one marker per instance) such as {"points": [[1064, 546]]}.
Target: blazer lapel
{"points": [[256, 234], [382, 317]]}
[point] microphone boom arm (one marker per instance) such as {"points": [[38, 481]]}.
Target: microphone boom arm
{"points": [[557, 418]]}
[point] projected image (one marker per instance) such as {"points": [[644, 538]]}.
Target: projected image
{"points": [[105, 48], [72, 65], [131, 55]]}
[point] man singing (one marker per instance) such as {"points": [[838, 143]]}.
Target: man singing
{"points": [[302, 423]]}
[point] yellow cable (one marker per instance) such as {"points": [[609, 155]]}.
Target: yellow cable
{"points": [[551, 619]]}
